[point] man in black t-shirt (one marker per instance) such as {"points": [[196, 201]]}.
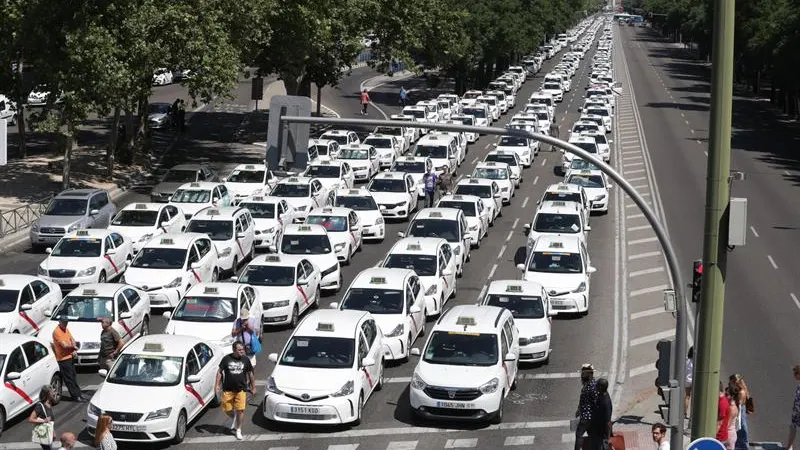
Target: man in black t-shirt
{"points": [[234, 379], [110, 344]]}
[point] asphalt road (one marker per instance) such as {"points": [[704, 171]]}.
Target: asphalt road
{"points": [[538, 411], [761, 302]]}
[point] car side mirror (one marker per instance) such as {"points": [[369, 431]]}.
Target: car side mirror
{"points": [[401, 234], [215, 200], [25, 307], [11, 376], [195, 265], [94, 212], [355, 228], [510, 357], [125, 315], [273, 249], [167, 315], [527, 228], [498, 195], [447, 272], [240, 235], [111, 251], [367, 362], [552, 312], [415, 351], [521, 267], [223, 180], [193, 379], [591, 269], [587, 228], [273, 357], [48, 250]]}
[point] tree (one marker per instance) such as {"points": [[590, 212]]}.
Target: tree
{"points": [[13, 34]]}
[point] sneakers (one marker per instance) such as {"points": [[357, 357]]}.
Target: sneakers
{"points": [[239, 434], [229, 424]]}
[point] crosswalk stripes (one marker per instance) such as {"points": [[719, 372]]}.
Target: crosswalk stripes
{"points": [[461, 443], [561, 442]]}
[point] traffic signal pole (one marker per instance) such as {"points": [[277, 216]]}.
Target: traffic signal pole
{"points": [[708, 350]]}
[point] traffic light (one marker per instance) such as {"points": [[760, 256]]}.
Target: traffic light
{"points": [[697, 279], [664, 362]]}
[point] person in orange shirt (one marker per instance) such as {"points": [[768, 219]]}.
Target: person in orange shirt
{"points": [[364, 102], [65, 349]]}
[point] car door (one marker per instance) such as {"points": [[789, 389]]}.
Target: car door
{"points": [[370, 341], [194, 275], [586, 264], [412, 319], [191, 397], [347, 175], [112, 264], [511, 334], [22, 387], [40, 367], [418, 296], [207, 262], [138, 308], [27, 322], [249, 232], [483, 215], [123, 247], [355, 229], [446, 263], [373, 161], [413, 198], [464, 237], [125, 323], [44, 298], [313, 279]]}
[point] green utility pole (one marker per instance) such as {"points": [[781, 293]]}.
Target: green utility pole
{"points": [[708, 350]]}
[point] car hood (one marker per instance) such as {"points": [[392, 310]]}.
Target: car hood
{"points": [[151, 278], [298, 380], [275, 293], [156, 116], [138, 399], [298, 202], [265, 224], [134, 233], [533, 327], [368, 218], [243, 189], [388, 322], [442, 375], [59, 221], [218, 333], [558, 282], [191, 209], [358, 164], [331, 183], [69, 262], [167, 187], [384, 198]]}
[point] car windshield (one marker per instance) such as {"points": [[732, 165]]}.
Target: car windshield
{"points": [[597, 111], [135, 218], [356, 203], [191, 196], [409, 167], [8, 301], [217, 230], [444, 104], [375, 301], [556, 262], [206, 309], [66, 207], [475, 112], [341, 139], [84, 309], [322, 150], [488, 101], [552, 86], [600, 139], [422, 265], [379, 142], [521, 306], [482, 191], [180, 176], [319, 352], [542, 115], [490, 173], [260, 210], [562, 197], [508, 159], [557, 223], [323, 171], [431, 151], [513, 141], [146, 370], [587, 181], [290, 190], [387, 185], [391, 131], [590, 147], [469, 121], [78, 248], [445, 229], [247, 176], [353, 153], [258, 275], [467, 207], [158, 108], [330, 223], [160, 258], [417, 113], [455, 348], [581, 127], [472, 95], [305, 244]]}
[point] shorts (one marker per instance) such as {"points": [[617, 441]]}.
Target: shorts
{"points": [[234, 401]]}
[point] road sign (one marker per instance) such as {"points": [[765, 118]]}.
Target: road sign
{"points": [[706, 444], [287, 143]]}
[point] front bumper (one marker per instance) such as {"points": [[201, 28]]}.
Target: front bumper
{"points": [[479, 409], [225, 263], [264, 241], [141, 431], [373, 232], [332, 281], [570, 303], [394, 211], [280, 315], [361, 175], [394, 348], [164, 297], [327, 410], [68, 284], [39, 238], [600, 205], [535, 352]]}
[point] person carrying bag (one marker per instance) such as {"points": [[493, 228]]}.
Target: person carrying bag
{"points": [[42, 418], [245, 331]]}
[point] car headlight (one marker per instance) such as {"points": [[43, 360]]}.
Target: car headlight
{"points": [[269, 230], [347, 389], [35, 227], [505, 189], [599, 197], [86, 272], [162, 413], [228, 339], [225, 252], [72, 228], [442, 167], [540, 338], [90, 345], [380, 221], [272, 386], [581, 287], [457, 251], [146, 237], [174, 283], [418, 383], [278, 304], [41, 271], [432, 290], [94, 410], [398, 330], [302, 208], [339, 247], [490, 387]]}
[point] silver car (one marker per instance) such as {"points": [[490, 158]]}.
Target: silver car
{"points": [[178, 176], [73, 209]]}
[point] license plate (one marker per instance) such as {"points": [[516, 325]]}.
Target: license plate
{"points": [[560, 307], [62, 280], [455, 405], [557, 302], [304, 410], [131, 428]]}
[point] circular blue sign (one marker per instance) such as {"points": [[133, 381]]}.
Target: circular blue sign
{"points": [[706, 444]]}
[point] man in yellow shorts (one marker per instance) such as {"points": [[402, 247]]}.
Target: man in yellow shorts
{"points": [[234, 379]]}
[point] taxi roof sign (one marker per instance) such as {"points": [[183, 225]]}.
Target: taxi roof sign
{"points": [[435, 214], [325, 326], [195, 185], [466, 321], [474, 181], [140, 206], [416, 247], [325, 163], [153, 347], [514, 288], [167, 241], [586, 171], [563, 187], [556, 245], [293, 180], [89, 292], [258, 199], [250, 167], [210, 290], [327, 209], [273, 258], [377, 280], [558, 203], [212, 212], [304, 228], [458, 197], [82, 233]]}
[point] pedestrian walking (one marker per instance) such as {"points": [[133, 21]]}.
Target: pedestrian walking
{"points": [[586, 403], [234, 379], [245, 330], [173, 111], [103, 439], [600, 428], [68, 441], [66, 349], [660, 436], [555, 131], [795, 423], [430, 181], [732, 395], [445, 184], [403, 95], [364, 102], [182, 116], [42, 419], [110, 344], [687, 395], [745, 407], [723, 415]]}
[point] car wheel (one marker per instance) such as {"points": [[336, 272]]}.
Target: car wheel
{"points": [[214, 275], [235, 265], [497, 418], [341, 282], [346, 262], [317, 296], [180, 428], [409, 341], [56, 385], [145, 327], [295, 315], [2, 420], [379, 386], [359, 410], [102, 277]]}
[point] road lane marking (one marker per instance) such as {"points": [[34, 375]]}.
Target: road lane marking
{"points": [[510, 233], [635, 216], [544, 161], [516, 222], [786, 172], [491, 272], [343, 446], [461, 443], [402, 445], [652, 337], [643, 240], [525, 202], [794, 298], [642, 370], [755, 233], [502, 250], [535, 180], [650, 290], [475, 160], [633, 164], [644, 255], [641, 186], [629, 172], [647, 313], [772, 261], [519, 440], [639, 273]]}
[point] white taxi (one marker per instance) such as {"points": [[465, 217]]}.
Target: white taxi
{"points": [[596, 185], [388, 148], [140, 222], [411, 134], [232, 231], [363, 159], [327, 371], [561, 264], [421, 114], [398, 133], [287, 285], [563, 192], [322, 150], [245, 179], [269, 214], [441, 149], [373, 225], [396, 193], [192, 197], [487, 190], [209, 311], [126, 306], [158, 385], [303, 193], [530, 306], [556, 217], [446, 223], [168, 266], [468, 366], [468, 121], [344, 229], [417, 167], [86, 256], [522, 146], [27, 365], [312, 242], [603, 143], [500, 174], [342, 137], [24, 299], [585, 142], [511, 159], [433, 262], [396, 301], [332, 174], [477, 215]]}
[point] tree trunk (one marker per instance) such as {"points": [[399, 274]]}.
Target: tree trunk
{"points": [[68, 140], [21, 128], [111, 151], [141, 145], [319, 100], [292, 82]]}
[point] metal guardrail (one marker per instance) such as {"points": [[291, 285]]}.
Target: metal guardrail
{"points": [[22, 217]]}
